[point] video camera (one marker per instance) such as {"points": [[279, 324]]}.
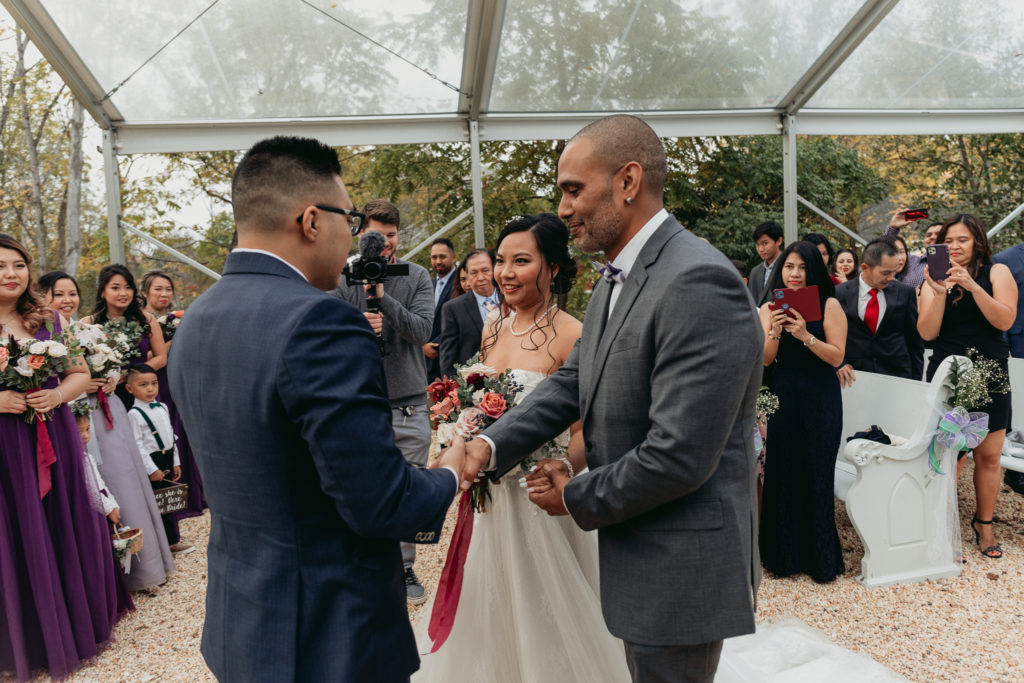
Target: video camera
{"points": [[370, 268]]}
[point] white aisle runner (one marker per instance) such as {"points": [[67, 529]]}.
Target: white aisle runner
{"points": [[792, 652]]}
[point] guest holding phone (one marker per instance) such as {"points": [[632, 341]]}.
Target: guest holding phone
{"points": [[798, 530], [970, 306]]}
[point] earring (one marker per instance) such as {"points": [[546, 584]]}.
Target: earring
{"points": [[629, 200]]}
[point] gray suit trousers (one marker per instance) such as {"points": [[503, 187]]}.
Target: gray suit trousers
{"points": [[680, 664]]}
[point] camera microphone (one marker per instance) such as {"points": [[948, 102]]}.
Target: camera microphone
{"points": [[371, 244]]}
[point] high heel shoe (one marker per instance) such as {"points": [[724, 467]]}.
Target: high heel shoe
{"points": [[993, 551]]}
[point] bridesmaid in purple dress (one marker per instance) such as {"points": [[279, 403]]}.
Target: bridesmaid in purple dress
{"points": [[58, 600], [158, 293]]}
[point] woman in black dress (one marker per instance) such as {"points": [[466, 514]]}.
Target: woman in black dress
{"points": [[970, 307], [798, 526]]}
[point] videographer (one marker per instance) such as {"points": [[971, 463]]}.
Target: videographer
{"points": [[404, 323]]}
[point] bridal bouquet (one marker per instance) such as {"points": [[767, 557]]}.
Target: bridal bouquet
{"points": [[468, 404], [123, 336], [169, 323], [25, 364]]}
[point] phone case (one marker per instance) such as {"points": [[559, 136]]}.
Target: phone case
{"points": [[937, 256], [806, 301]]}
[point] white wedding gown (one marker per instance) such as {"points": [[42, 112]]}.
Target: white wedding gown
{"points": [[529, 609]]}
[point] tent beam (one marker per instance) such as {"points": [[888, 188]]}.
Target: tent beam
{"points": [[112, 176], [477, 180], [857, 238], [440, 232], [789, 194], [172, 251], [855, 31], [483, 34], [1006, 221]]}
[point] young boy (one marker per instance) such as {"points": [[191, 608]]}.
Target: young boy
{"points": [[154, 437]]}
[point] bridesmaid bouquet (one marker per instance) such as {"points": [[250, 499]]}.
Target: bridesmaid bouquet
{"points": [[465, 406], [26, 363], [103, 359], [123, 336], [169, 323]]}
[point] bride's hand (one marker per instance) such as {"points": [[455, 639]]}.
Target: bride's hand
{"points": [[551, 500], [536, 480], [454, 457]]}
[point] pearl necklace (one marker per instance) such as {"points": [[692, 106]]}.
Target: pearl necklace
{"points": [[536, 322]]}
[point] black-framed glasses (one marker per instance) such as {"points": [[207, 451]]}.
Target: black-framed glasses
{"points": [[355, 218]]}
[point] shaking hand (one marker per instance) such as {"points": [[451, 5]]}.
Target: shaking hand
{"points": [[547, 482]]}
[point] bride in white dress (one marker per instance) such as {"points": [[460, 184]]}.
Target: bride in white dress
{"points": [[529, 609]]}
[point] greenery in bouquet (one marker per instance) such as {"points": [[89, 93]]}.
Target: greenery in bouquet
{"points": [[102, 357], [767, 404], [80, 408], [123, 336], [972, 388], [25, 364], [123, 546], [169, 323], [469, 403]]}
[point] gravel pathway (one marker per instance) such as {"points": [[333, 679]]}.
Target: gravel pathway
{"points": [[968, 628]]}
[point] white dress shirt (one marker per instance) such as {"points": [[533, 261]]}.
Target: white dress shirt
{"points": [[247, 250], [768, 269], [865, 296], [627, 257], [144, 440], [482, 301]]}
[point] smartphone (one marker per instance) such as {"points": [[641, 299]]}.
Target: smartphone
{"points": [[915, 214], [805, 300], [938, 261]]}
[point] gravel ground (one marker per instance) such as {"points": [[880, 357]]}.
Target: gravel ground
{"points": [[964, 629]]}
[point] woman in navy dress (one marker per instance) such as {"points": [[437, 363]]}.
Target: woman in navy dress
{"points": [[158, 294], [970, 307], [58, 597], [798, 528]]}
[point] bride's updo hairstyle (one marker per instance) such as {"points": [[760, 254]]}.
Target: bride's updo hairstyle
{"points": [[552, 238]]}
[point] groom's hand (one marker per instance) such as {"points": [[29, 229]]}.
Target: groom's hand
{"points": [[454, 457], [478, 456], [546, 498]]}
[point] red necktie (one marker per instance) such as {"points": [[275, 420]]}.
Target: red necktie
{"points": [[871, 312]]}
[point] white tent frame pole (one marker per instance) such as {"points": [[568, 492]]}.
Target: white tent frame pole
{"points": [[789, 189], [476, 178], [1006, 221], [112, 176], [832, 220], [171, 250], [447, 226], [849, 38]]}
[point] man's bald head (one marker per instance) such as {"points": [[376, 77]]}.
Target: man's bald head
{"points": [[622, 138], [277, 175]]}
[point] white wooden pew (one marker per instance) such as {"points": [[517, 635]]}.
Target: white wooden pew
{"points": [[1016, 367], [901, 509]]}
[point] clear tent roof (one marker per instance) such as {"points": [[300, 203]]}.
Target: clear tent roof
{"points": [[418, 70]]}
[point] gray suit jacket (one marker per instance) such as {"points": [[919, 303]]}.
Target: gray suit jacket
{"points": [[756, 284], [667, 396]]}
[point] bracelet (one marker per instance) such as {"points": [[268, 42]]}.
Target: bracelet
{"points": [[811, 342], [60, 395], [772, 336], [568, 466]]}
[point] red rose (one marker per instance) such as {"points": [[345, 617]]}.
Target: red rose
{"points": [[476, 380], [493, 405], [440, 388]]}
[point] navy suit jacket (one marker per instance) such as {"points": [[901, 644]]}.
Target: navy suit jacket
{"points": [[896, 348], [461, 330], [1013, 258], [282, 391], [434, 364]]}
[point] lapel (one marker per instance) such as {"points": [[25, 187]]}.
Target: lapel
{"points": [[591, 335], [631, 288], [892, 306], [445, 293], [473, 311]]}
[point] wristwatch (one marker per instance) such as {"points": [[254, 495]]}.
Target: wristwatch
{"points": [[811, 342]]}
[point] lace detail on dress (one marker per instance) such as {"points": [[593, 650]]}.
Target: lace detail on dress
{"points": [[529, 380]]}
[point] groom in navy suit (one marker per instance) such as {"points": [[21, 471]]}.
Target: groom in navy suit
{"points": [[282, 389]]}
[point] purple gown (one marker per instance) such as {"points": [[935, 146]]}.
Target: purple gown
{"points": [[58, 595], [189, 469]]}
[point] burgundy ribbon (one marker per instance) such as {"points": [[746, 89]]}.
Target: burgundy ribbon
{"points": [[446, 602], [101, 400], [45, 455]]}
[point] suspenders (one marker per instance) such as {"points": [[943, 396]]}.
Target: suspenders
{"points": [[152, 427]]}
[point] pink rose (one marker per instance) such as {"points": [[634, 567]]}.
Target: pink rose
{"points": [[493, 405], [468, 423], [442, 409], [36, 362]]}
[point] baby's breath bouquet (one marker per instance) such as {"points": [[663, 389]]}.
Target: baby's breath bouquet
{"points": [[973, 388], [767, 404]]}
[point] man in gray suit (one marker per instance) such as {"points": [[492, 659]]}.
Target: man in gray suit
{"points": [[665, 380], [768, 238]]}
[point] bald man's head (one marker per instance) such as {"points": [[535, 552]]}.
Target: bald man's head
{"points": [[622, 138]]}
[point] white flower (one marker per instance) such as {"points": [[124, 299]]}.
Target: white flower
{"points": [[22, 368], [478, 396], [89, 334], [38, 348], [445, 433], [478, 369], [56, 349]]}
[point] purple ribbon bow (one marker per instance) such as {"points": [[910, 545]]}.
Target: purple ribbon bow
{"points": [[610, 273]]}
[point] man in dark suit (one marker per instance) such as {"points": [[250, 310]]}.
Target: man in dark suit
{"points": [[442, 260], [881, 315], [462, 318], [1013, 258], [670, 484], [768, 240], [282, 389]]}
